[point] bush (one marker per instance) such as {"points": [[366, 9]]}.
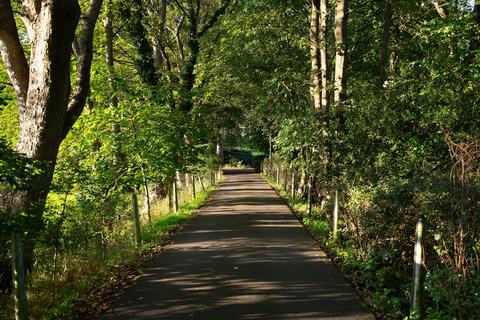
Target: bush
{"points": [[453, 293]]}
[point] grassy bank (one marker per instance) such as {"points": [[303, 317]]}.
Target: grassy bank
{"points": [[79, 282]]}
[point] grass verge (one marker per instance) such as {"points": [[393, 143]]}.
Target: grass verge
{"points": [[92, 296]]}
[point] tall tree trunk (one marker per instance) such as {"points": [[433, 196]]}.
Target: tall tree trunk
{"points": [[340, 80], [158, 33], [108, 24], [13, 56], [323, 55], [315, 85], [340, 54], [187, 76], [387, 24], [46, 102], [109, 60]]}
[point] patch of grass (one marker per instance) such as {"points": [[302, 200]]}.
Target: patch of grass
{"points": [[154, 233], [92, 272]]}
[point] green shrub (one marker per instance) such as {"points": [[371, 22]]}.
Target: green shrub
{"points": [[455, 294]]}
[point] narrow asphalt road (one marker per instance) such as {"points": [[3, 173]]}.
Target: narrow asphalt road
{"points": [[244, 257]]}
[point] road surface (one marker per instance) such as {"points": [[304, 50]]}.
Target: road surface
{"points": [[244, 257]]}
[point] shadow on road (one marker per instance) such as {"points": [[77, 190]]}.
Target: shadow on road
{"points": [[245, 257]]}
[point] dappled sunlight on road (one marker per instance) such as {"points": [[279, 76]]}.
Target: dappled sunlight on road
{"points": [[244, 257]]}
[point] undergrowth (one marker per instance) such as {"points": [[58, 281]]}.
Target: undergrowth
{"points": [[383, 273], [154, 236], [72, 283]]}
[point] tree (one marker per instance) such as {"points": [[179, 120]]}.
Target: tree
{"points": [[194, 32], [133, 16], [47, 112], [324, 54]]}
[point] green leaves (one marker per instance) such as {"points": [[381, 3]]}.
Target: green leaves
{"points": [[17, 172]]}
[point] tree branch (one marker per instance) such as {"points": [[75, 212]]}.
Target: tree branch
{"points": [[12, 52], [85, 57], [180, 7], [178, 39], [214, 18], [441, 11]]}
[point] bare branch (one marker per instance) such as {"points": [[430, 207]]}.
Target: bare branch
{"points": [[179, 40], [85, 57]]}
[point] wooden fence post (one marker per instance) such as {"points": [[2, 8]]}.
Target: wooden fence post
{"points": [[201, 183], [278, 174], [136, 219], [19, 288], [418, 293], [292, 191], [194, 192], [309, 196], [175, 195], [147, 194], [170, 196]]}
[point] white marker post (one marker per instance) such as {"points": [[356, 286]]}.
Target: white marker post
{"points": [[335, 216], [418, 272]]}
